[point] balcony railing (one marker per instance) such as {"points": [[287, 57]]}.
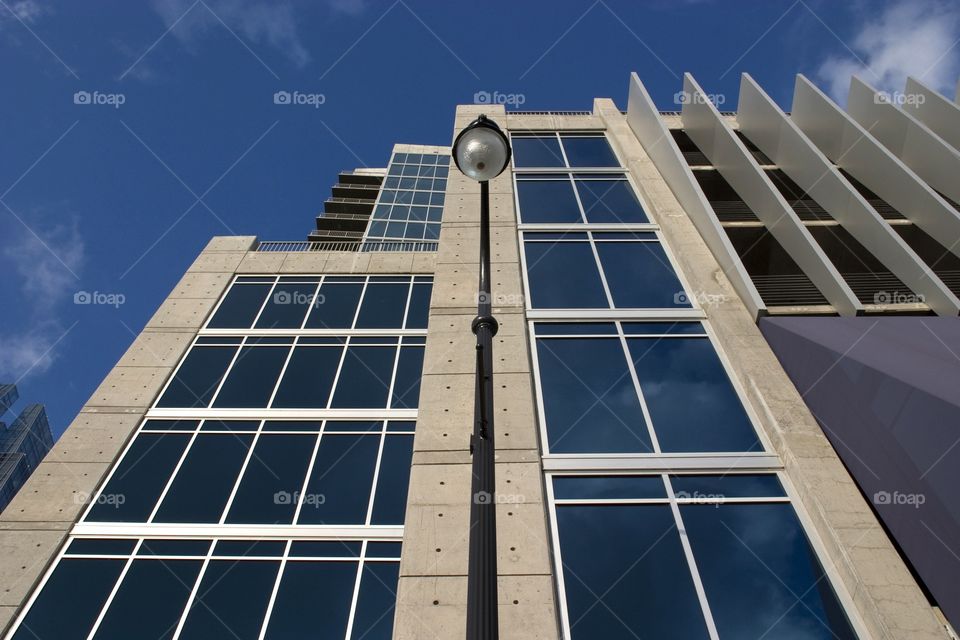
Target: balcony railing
{"points": [[372, 246]]}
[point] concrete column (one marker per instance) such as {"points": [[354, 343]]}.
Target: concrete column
{"points": [[433, 568], [875, 583]]}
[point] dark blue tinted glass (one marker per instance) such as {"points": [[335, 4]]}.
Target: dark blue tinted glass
{"points": [[590, 403], [287, 306], [335, 307], [324, 549], [101, 547], [640, 276], [406, 388], [607, 487], [150, 600], [139, 479], [353, 425], [536, 151], [383, 549], [419, 306], [733, 485], [241, 306], [162, 547], [339, 487], [547, 201], [610, 201], [313, 601], [203, 484], [564, 275], [692, 403], [292, 425], [170, 425], [574, 328], [62, 611], [625, 572], [585, 151], [383, 306], [391, 498], [248, 548], [231, 600], [401, 425], [378, 588], [365, 378], [756, 563], [198, 377], [272, 480], [308, 378], [252, 378], [230, 425], [652, 328]]}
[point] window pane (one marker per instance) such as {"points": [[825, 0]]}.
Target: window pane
{"points": [[406, 388], [336, 306], [205, 479], [365, 378], [547, 201], [584, 151], [733, 485], [252, 378], [198, 377], [308, 378], [640, 276], [378, 587], [383, 306], [64, 612], [231, 600], [419, 306], [760, 574], [391, 498], [150, 600], [625, 570], [272, 479], [590, 403], [139, 479], [692, 403], [603, 487], [564, 275], [536, 151], [339, 487], [287, 306], [240, 307], [313, 601], [610, 201]]}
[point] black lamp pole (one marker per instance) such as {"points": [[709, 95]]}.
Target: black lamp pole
{"points": [[482, 620]]}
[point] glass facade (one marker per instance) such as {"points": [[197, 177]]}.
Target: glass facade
{"points": [[410, 203], [264, 494], [628, 379]]}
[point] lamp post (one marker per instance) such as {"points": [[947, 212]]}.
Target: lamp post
{"points": [[481, 152]]}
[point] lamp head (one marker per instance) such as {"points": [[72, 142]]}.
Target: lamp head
{"points": [[481, 151]]}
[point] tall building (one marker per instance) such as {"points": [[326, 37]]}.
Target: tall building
{"points": [[284, 450], [22, 445]]}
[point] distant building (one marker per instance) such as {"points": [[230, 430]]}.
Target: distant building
{"points": [[22, 445]]}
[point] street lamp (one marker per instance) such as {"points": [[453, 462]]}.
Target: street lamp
{"points": [[481, 152]]}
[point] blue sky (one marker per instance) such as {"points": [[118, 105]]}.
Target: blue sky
{"points": [[182, 140]]}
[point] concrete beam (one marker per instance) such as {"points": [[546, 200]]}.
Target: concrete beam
{"points": [[935, 161], [942, 116], [780, 138], [650, 130], [736, 164], [854, 149]]}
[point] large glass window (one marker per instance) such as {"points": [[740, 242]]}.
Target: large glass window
{"points": [[410, 203], [217, 591], [600, 270], [613, 387], [336, 472], [536, 150], [625, 567], [328, 302], [563, 198]]}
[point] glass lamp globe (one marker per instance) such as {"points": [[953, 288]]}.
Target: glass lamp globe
{"points": [[481, 151]]}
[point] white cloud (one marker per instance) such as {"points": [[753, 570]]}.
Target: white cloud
{"points": [[908, 38], [256, 21], [27, 11]]}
